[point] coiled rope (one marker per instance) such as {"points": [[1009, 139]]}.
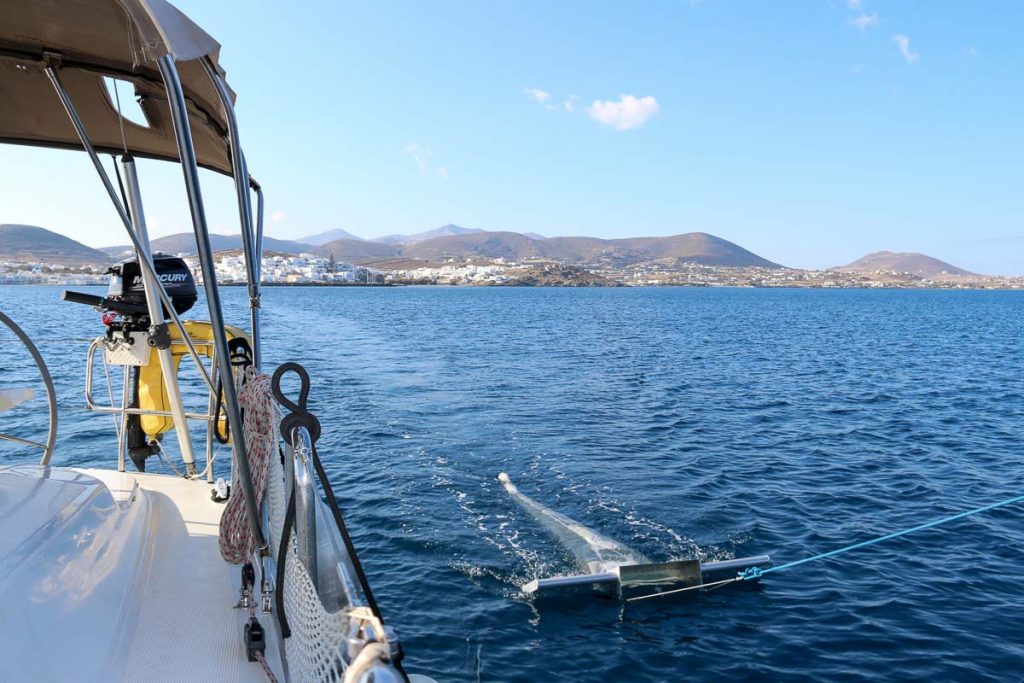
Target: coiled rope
{"points": [[754, 573], [237, 543]]}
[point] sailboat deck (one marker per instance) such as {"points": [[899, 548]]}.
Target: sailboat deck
{"points": [[185, 624], [123, 579]]}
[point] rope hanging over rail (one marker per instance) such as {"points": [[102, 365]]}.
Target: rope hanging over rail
{"points": [[756, 572], [237, 543]]}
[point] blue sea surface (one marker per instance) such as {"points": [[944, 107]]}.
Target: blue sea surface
{"points": [[685, 423]]}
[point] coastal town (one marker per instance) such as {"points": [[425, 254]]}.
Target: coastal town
{"points": [[311, 269]]}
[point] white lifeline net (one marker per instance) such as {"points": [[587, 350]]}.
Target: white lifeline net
{"points": [[316, 650]]}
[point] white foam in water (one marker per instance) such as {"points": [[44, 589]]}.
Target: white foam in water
{"points": [[596, 553]]}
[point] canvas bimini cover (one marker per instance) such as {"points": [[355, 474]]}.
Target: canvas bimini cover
{"points": [[123, 39]]}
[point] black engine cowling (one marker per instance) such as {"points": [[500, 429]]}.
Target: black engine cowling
{"points": [[126, 282]]}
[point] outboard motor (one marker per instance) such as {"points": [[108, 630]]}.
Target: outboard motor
{"points": [[126, 283], [128, 322], [126, 295]]}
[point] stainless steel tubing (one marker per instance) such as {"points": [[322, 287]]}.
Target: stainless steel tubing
{"points": [[190, 169], [306, 502], [259, 221], [146, 264], [122, 441], [51, 395], [156, 315], [240, 175]]}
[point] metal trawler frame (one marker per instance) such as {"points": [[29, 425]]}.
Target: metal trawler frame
{"points": [[612, 567], [115, 574]]}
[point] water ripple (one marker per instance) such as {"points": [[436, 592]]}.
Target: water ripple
{"points": [[685, 423]]}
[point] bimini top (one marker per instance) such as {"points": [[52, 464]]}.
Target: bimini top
{"points": [[123, 39]]}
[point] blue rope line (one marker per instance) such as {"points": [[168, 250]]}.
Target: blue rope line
{"points": [[757, 572]]}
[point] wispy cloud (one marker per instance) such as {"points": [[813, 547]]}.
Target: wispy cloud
{"points": [[419, 155], [422, 155], [277, 216], [626, 113], [864, 20], [537, 95], [545, 99], [855, 4], [903, 44]]}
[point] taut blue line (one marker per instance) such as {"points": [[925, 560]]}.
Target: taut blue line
{"points": [[756, 572]]}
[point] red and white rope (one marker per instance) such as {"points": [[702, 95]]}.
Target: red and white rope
{"points": [[266, 667], [257, 402]]}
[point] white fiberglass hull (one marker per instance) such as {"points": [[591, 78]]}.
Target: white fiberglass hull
{"points": [[116, 576]]}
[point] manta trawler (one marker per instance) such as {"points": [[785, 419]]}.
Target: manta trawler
{"points": [[612, 567], [113, 573]]}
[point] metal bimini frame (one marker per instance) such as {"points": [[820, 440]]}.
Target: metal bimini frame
{"points": [[252, 243], [355, 642]]}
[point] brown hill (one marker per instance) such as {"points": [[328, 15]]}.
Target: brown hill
{"points": [[31, 244], [508, 245], [359, 251], [695, 247], [185, 243], [903, 262]]}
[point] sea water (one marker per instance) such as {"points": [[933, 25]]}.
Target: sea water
{"points": [[705, 423]]}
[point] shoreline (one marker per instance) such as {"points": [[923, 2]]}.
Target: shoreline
{"points": [[551, 286]]}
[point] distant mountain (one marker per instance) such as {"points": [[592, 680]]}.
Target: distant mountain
{"points": [[358, 251], [534, 236], [444, 231], [905, 262], [329, 236], [117, 253], [185, 243], [29, 243], [694, 247]]}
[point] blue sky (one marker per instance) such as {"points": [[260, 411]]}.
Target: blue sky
{"points": [[810, 132]]}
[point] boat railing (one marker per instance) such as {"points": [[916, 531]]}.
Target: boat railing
{"points": [[337, 627], [51, 394], [51, 63], [320, 546], [303, 489], [124, 410], [326, 611]]}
